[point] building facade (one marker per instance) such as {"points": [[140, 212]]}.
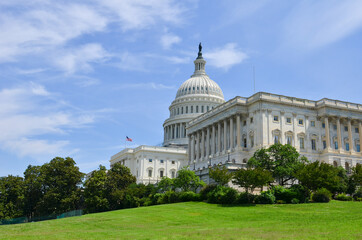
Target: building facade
{"points": [[203, 130]]}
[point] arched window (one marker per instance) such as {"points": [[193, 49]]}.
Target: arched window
{"points": [[347, 167], [335, 164]]}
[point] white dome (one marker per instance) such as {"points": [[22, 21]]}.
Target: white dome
{"points": [[200, 84]]}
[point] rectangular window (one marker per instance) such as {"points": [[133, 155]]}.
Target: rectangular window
{"points": [[289, 120], [161, 173], [335, 145], [356, 130], [251, 120], [197, 109], [324, 144], [252, 141], [182, 110], [346, 128], [312, 123], [276, 118], [150, 173], [161, 161], [334, 126], [172, 174], [150, 160], [173, 162], [202, 109], [276, 139], [245, 144], [314, 144], [192, 109], [244, 123], [347, 146], [301, 143], [358, 148], [207, 108], [187, 109], [300, 122], [323, 125], [289, 140]]}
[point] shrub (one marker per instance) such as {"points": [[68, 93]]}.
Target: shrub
{"points": [[189, 196], [156, 198], [283, 194], [205, 190], [281, 202], [222, 195], [295, 201], [245, 198], [321, 195], [302, 193], [358, 194], [343, 197], [265, 198]]}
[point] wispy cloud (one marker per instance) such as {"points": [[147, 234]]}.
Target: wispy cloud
{"points": [[148, 85], [139, 14], [80, 58], [226, 56], [169, 39], [314, 24], [26, 116]]}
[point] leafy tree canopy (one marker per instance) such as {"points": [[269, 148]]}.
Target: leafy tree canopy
{"points": [[281, 160], [187, 180], [252, 178], [221, 175]]}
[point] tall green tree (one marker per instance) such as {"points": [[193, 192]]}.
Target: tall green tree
{"points": [[252, 178], [33, 188], [322, 175], [61, 181], [221, 175], [187, 180], [119, 177], [11, 197], [283, 161], [95, 195], [166, 184]]}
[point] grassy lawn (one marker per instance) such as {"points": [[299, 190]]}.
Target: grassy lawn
{"points": [[195, 220]]}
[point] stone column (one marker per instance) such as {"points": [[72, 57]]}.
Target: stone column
{"points": [[350, 137], [231, 133], [189, 150], [192, 148], [213, 140], [208, 142], [281, 127], [197, 146], [225, 133], [339, 138], [219, 137], [202, 144], [328, 140], [360, 136], [238, 131]]}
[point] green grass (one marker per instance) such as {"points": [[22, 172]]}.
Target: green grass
{"points": [[195, 220]]}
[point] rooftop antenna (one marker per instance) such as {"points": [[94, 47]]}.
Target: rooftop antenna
{"points": [[254, 77]]}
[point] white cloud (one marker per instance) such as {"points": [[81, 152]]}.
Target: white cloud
{"points": [[314, 24], [79, 59], [44, 26], [139, 14], [169, 39], [148, 85], [225, 57], [26, 117]]}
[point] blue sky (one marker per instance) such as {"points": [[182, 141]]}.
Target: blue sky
{"points": [[76, 77]]}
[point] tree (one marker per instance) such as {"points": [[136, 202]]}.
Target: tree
{"points": [[221, 175], [33, 189], [252, 178], [11, 197], [187, 180], [119, 177], [95, 197], [322, 175], [282, 161], [61, 181], [355, 179], [166, 184]]}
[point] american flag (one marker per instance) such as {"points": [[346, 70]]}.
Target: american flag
{"points": [[128, 139]]}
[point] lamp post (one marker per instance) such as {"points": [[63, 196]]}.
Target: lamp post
{"points": [[194, 164], [209, 169], [228, 156]]}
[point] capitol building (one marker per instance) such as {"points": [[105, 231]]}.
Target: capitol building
{"points": [[203, 130]]}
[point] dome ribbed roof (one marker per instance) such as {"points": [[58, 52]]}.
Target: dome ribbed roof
{"points": [[200, 84]]}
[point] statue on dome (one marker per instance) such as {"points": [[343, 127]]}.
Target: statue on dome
{"points": [[200, 48]]}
